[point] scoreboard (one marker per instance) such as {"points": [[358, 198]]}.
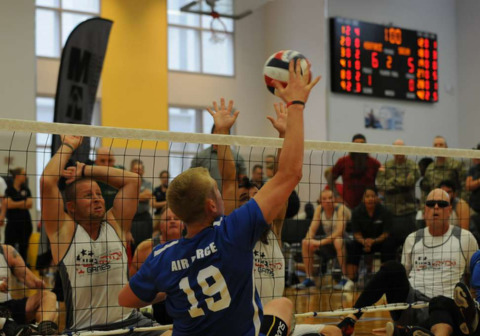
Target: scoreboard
{"points": [[383, 61]]}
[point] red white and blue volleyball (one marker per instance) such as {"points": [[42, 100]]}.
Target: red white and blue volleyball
{"points": [[276, 67]]}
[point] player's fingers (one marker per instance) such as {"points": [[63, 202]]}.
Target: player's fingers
{"points": [[222, 103], [278, 86], [235, 115], [291, 70], [210, 111], [215, 106], [298, 68], [307, 74], [314, 82], [230, 106], [277, 108], [272, 120]]}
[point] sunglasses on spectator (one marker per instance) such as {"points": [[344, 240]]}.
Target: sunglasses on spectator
{"points": [[440, 203]]}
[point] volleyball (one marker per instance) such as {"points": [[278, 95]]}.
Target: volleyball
{"points": [[276, 67]]}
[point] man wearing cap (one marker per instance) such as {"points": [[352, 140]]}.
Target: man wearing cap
{"points": [[358, 171]]}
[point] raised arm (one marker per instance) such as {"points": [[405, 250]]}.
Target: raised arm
{"points": [[224, 120], [276, 191], [52, 207], [280, 124]]}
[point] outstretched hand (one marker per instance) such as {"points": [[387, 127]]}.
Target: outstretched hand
{"points": [[222, 116], [73, 140], [299, 84], [73, 173], [280, 124]]}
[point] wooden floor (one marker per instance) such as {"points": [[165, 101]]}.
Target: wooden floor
{"points": [[327, 299], [309, 300]]}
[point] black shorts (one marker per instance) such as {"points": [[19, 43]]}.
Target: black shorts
{"points": [[355, 251], [17, 309]]}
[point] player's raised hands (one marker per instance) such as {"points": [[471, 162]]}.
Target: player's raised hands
{"points": [[299, 84], [73, 173], [223, 116], [73, 141], [280, 124]]}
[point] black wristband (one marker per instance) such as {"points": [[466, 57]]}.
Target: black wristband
{"points": [[69, 146], [83, 170], [297, 102]]}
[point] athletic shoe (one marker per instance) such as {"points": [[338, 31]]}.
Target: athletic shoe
{"points": [[47, 328], [468, 308], [397, 330], [347, 326], [307, 283], [11, 328], [345, 285], [340, 284]]}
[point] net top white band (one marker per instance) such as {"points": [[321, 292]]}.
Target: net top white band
{"points": [[28, 126]]}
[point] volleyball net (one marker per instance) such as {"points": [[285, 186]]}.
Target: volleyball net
{"points": [[403, 176]]}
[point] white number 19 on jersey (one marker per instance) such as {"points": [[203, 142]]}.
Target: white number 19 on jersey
{"points": [[218, 287]]}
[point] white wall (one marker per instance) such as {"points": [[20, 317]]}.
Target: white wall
{"points": [[17, 59], [246, 88], [468, 72], [422, 120], [17, 82], [300, 25]]}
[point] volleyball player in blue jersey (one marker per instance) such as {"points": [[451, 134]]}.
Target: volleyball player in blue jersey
{"points": [[208, 275]]}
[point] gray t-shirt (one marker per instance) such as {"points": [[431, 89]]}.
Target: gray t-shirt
{"points": [[208, 159]]}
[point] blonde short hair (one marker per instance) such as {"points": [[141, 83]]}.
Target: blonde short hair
{"points": [[188, 192]]}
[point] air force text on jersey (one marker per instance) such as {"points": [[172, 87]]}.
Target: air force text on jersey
{"points": [[182, 264]]}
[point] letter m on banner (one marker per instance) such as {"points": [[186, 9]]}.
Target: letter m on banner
{"points": [[80, 69]]}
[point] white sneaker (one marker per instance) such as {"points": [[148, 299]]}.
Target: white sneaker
{"points": [[349, 285]]}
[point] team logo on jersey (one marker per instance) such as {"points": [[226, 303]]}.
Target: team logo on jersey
{"points": [[87, 262], [266, 265], [424, 263]]}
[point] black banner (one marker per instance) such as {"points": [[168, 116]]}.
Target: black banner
{"points": [[80, 69]]}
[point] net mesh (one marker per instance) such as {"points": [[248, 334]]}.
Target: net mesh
{"points": [[402, 190]]}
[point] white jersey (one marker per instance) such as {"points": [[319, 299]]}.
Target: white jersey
{"points": [[269, 269], [93, 273], [5, 273], [436, 264]]}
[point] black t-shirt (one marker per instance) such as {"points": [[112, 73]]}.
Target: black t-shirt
{"points": [[160, 196], [18, 195], [474, 200], [371, 227]]}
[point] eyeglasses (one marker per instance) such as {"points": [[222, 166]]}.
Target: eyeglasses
{"points": [[440, 203]]}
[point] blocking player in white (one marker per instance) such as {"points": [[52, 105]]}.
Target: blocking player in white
{"points": [[208, 275], [89, 243]]}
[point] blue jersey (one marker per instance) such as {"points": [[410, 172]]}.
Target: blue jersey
{"points": [[475, 273], [209, 278]]}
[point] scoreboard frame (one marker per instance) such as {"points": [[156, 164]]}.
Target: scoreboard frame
{"points": [[375, 60]]}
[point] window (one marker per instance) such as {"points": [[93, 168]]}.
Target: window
{"points": [[192, 46], [55, 20], [189, 120]]}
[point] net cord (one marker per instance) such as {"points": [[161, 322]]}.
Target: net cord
{"points": [[15, 125], [338, 312]]}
